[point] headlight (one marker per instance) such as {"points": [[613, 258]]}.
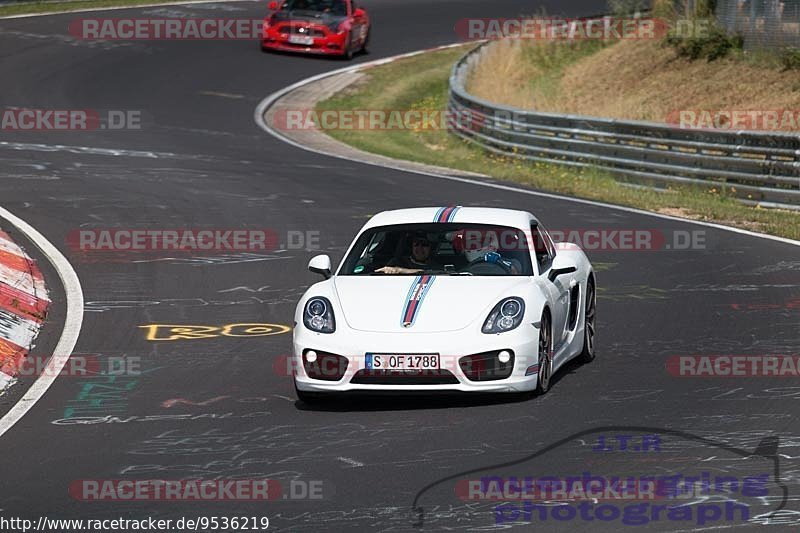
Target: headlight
{"points": [[318, 315], [505, 316]]}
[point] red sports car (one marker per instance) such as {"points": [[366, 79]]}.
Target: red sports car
{"points": [[331, 27]]}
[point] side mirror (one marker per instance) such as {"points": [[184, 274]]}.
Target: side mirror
{"points": [[359, 12], [561, 265], [272, 6], [320, 264]]}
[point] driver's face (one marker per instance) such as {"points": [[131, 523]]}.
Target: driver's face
{"points": [[420, 249]]}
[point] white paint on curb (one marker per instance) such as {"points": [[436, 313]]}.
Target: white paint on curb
{"points": [[114, 8], [72, 322], [267, 102]]}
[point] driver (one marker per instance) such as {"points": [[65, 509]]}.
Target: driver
{"points": [[482, 247], [418, 261]]}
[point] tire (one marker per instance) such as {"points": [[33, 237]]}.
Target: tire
{"points": [[347, 55], [545, 355], [365, 46], [588, 354]]}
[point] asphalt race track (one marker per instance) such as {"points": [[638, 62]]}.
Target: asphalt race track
{"points": [[201, 161]]}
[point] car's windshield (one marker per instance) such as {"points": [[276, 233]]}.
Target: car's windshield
{"points": [[334, 7], [450, 249]]}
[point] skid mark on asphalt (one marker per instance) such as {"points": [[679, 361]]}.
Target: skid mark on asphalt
{"points": [[230, 259], [101, 306], [89, 150], [230, 96], [351, 462], [55, 39]]}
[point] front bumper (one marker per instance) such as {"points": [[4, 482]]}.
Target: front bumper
{"points": [[331, 44], [451, 346]]}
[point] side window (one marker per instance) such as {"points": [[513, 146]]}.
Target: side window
{"points": [[543, 248]]}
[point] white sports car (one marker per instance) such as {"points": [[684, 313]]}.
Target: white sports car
{"points": [[450, 298]]}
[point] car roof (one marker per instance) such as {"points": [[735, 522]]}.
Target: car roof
{"points": [[468, 215]]}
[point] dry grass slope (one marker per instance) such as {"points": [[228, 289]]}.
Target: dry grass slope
{"points": [[638, 80]]}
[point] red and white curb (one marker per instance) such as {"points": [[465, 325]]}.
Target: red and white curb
{"points": [[23, 307]]}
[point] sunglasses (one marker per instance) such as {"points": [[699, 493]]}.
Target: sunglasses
{"points": [[420, 242]]}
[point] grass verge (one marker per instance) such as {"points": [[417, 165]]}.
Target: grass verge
{"points": [[421, 83]]}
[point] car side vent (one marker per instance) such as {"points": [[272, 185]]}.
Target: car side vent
{"points": [[573, 306]]}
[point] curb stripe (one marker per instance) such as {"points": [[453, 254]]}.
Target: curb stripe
{"points": [[23, 306], [22, 303], [8, 245], [69, 332], [11, 357], [23, 282], [16, 262], [17, 330]]}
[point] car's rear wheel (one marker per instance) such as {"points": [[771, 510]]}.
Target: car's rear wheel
{"points": [[365, 46], [589, 323], [545, 355]]}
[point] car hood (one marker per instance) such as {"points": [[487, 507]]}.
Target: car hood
{"points": [[310, 17], [438, 303]]}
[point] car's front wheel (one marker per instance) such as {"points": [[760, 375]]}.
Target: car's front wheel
{"points": [[545, 355], [348, 48]]}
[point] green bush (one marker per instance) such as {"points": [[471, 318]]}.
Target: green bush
{"points": [[790, 59], [714, 44]]}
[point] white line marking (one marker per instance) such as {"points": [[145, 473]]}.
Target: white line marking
{"points": [[112, 8], [72, 322], [351, 462], [267, 102]]}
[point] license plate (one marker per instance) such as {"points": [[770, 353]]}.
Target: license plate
{"points": [[402, 362], [301, 39]]}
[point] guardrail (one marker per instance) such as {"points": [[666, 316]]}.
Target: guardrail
{"points": [[755, 167]]}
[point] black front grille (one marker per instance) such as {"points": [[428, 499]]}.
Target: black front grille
{"points": [[326, 367], [390, 377], [486, 366], [295, 30]]}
